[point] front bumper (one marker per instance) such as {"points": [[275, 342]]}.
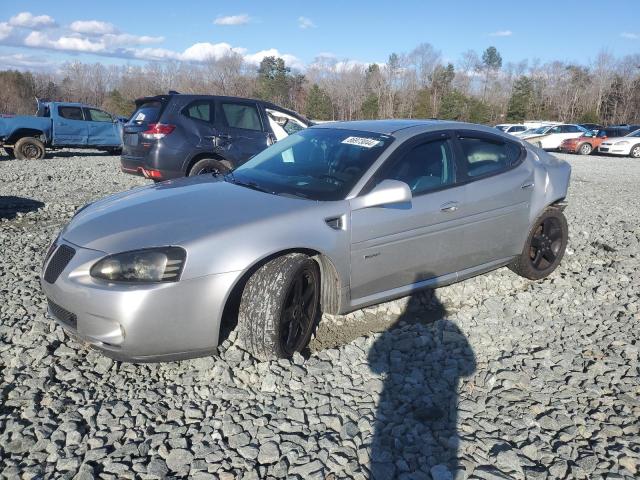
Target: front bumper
{"points": [[614, 150], [139, 323]]}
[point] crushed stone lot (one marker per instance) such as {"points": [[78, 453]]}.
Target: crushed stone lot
{"points": [[496, 377]]}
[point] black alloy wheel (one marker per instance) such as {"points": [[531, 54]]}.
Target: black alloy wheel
{"points": [[546, 243], [300, 310]]}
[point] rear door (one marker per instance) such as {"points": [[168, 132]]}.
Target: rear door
{"points": [[199, 125], [69, 126], [103, 130], [241, 132], [498, 188]]}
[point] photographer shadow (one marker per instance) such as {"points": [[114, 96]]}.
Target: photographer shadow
{"points": [[420, 360], [11, 206]]}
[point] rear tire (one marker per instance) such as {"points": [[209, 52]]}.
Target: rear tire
{"points": [[29, 148], [635, 151], [544, 247], [209, 165], [9, 152], [279, 307], [585, 149]]}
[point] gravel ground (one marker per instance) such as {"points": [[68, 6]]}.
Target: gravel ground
{"points": [[496, 377]]}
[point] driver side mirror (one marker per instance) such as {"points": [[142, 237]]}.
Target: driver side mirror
{"points": [[387, 192]]}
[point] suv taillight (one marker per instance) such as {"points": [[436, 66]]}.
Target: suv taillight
{"points": [[156, 131]]}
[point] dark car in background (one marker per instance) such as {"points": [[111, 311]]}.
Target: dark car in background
{"points": [[177, 135]]}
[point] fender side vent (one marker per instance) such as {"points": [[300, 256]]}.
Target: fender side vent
{"points": [[337, 223]]}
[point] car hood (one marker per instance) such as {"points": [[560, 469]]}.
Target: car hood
{"points": [[173, 213]]}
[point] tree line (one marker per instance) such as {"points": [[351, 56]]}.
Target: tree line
{"points": [[478, 88]]}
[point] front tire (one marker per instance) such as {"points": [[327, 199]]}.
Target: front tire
{"points": [[585, 149], [635, 151], [209, 165], [544, 247], [279, 307], [29, 148]]}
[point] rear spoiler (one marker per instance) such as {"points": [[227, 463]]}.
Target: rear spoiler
{"points": [[156, 98]]}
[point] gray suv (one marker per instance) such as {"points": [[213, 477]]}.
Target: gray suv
{"points": [[178, 135]]}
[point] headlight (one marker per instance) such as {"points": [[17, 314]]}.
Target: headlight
{"points": [[149, 265], [624, 142]]}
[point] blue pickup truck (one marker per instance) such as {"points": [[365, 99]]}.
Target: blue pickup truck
{"points": [[59, 125]]}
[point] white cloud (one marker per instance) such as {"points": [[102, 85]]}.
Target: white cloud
{"points": [[256, 58], [501, 33], [124, 39], [241, 19], [630, 36], [28, 20], [71, 44], [92, 27], [5, 30], [21, 61], [304, 23]]}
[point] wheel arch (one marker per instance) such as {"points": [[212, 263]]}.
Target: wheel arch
{"points": [[26, 132], [330, 283], [202, 155]]}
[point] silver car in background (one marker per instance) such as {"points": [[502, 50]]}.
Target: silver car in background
{"points": [[333, 218]]}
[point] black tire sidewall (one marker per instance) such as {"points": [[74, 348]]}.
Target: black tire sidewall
{"points": [[26, 141], [523, 266], [262, 302], [204, 162]]}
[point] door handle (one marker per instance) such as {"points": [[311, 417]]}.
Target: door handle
{"points": [[449, 207], [526, 185]]}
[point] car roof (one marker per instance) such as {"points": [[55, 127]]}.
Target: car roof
{"points": [[388, 127]]}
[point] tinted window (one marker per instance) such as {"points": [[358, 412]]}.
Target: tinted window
{"points": [[148, 112], [200, 110], [99, 116], [71, 113], [241, 116], [424, 168], [485, 157], [571, 129]]}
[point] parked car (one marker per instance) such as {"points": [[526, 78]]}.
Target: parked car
{"points": [[550, 138], [178, 135], [57, 125], [591, 126], [628, 145], [334, 218], [590, 141], [511, 128]]}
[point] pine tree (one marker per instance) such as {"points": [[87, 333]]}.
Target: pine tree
{"points": [[520, 102], [318, 106]]}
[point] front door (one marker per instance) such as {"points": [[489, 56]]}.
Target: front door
{"points": [[397, 245], [69, 127], [241, 133], [103, 131]]}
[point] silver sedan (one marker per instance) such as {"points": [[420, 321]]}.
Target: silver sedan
{"points": [[333, 218]]}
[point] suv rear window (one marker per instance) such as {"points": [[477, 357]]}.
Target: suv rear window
{"points": [[241, 116], [148, 112]]}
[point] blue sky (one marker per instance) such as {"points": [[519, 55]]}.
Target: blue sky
{"points": [[36, 34]]}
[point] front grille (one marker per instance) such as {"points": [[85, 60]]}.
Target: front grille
{"points": [[63, 315], [58, 263]]}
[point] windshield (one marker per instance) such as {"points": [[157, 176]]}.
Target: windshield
{"points": [[318, 163], [634, 134], [541, 130], [502, 127]]}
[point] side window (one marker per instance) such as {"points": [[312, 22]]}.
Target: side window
{"points": [[426, 167], [555, 130], [571, 129], [98, 116], [70, 113], [242, 116], [487, 157], [200, 110]]}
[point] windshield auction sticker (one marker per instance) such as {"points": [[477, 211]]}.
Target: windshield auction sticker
{"points": [[362, 142]]}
